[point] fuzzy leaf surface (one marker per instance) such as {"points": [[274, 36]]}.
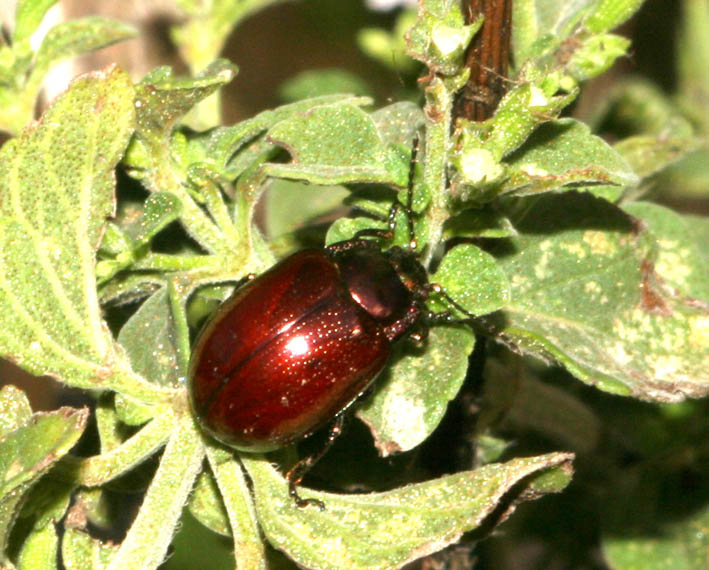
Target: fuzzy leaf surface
{"points": [[82, 552], [412, 395], [28, 16], [564, 154], [56, 191], [334, 144], [76, 37], [682, 260], [148, 337], [163, 99], [585, 292], [472, 278], [27, 452], [15, 409], [387, 530]]}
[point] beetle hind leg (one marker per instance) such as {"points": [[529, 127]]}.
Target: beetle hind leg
{"points": [[300, 469]]}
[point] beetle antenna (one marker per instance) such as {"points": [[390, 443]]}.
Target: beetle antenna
{"points": [[388, 233], [410, 192]]}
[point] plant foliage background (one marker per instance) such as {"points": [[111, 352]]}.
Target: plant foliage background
{"points": [[569, 224]]}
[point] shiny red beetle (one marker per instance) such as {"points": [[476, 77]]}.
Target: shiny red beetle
{"points": [[294, 347], [289, 351]]}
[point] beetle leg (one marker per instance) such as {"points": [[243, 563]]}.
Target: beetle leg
{"points": [[354, 243], [299, 470], [445, 316], [420, 333]]}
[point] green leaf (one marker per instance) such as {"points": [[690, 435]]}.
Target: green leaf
{"points": [[132, 412], [552, 48], [168, 162], [609, 14], [541, 24], [519, 113], [28, 16], [238, 501], [148, 337], [193, 542], [388, 46], [162, 99], [206, 505], [127, 244], [639, 107], [675, 545], [23, 71], [109, 465], [56, 190], [585, 293], [343, 229], [333, 144], [47, 501], [390, 529], [318, 82], [15, 409], [82, 552], [564, 153], [688, 179], [412, 395], [399, 122], [479, 222], [115, 241], [682, 260], [596, 55], [649, 154], [28, 452], [218, 148], [290, 206], [517, 400], [200, 38], [148, 538], [439, 38], [473, 279], [130, 287], [76, 37], [39, 550]]}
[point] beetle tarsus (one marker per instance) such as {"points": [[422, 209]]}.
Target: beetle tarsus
{"points": [[300, 502]]}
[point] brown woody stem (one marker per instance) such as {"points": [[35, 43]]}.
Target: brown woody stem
{"points": [[487, 58]]}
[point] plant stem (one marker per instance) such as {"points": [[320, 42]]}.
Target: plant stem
{"points": [[487, 58], [99, 469], [147, 540], [248, 545], [164, 179], [178, 303], [438, 109]]}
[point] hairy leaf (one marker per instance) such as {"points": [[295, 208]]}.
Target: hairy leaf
{"points": [[387, 530], [412, 395], [585, 292], [56, 190]]}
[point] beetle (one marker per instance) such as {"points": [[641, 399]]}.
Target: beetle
{"points": [[295, 347]]}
